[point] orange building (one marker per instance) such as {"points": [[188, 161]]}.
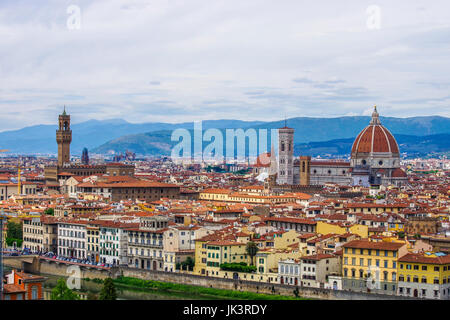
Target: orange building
{"points": [[23, 286]]}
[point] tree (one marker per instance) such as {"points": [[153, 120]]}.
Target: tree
{"points": [[49, 211], [252, 250], [108, 291], [14, 230], [62, 292], [14, 234], [189, 263]]}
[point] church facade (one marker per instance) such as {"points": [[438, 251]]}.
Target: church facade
{"points": [[375, 160]]}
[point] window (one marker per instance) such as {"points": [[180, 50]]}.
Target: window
{"points": [[34, 292]]}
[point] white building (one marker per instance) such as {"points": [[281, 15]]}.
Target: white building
{"points": [[72, 239], [289, 272], [113, 242]]}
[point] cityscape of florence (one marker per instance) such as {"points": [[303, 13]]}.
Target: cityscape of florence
{"points": [[207, 159]]}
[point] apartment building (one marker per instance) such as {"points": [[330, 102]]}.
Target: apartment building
{"points": [[93, 242], [424, 275], [32, 234], [371, 266], [49, 234], [315, 269], [145, 243], [113, 242], [179, 243], [72, 239]]}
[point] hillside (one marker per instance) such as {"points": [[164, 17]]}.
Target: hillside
{"points": [[159, 143], [118, 135]]}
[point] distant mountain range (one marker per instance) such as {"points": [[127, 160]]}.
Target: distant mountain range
{"points": [[41, 139], [413, 146], [314, 136]]}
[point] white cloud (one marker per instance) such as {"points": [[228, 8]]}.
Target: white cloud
{"points": [[130, 55]]}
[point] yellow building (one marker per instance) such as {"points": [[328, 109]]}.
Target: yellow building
{"points": [[224, 251], [213, 250], [230, 196], [370, 266], [201, 255], [285, 239], [327, 228], [267, 260], [93, 237], [423, 275]]}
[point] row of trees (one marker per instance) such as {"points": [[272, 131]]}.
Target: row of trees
{"points": [[63, 292], [237, 267]]}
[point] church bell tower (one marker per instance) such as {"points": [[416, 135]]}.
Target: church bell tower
{"points": [[64, 138]]}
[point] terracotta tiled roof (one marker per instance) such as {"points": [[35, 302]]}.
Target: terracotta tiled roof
{"points": [[422, 258], [365, 244]]}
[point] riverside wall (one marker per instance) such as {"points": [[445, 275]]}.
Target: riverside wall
{"points": [[64, 270]]}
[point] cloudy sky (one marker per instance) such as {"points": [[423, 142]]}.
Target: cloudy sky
{"points": [[178, 60]]}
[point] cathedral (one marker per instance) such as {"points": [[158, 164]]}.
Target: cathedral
{"points": [[374, 160]]}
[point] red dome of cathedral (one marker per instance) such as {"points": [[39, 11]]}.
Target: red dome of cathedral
{"points": [[375, 138], [263, 160]]}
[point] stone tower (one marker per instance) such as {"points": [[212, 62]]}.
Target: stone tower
{"points": [[285, 155], [305, 171], [64, 138], [85, 157], [271, 180]]}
